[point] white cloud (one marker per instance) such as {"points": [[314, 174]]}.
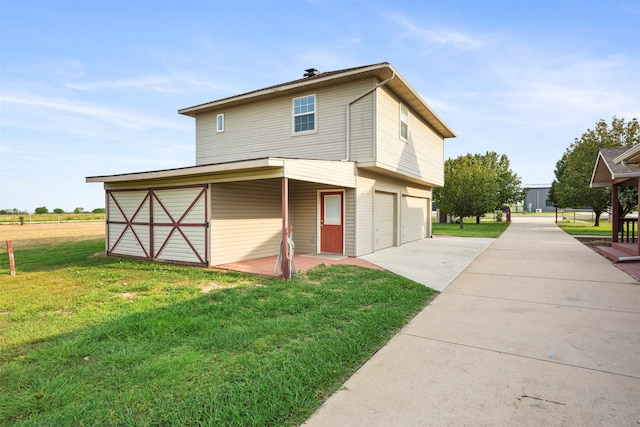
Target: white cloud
{"points": [[434, 39], [151, 83], [112, 116]]}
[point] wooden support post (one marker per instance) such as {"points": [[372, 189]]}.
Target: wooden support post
{"points": [[615, 213], [286, 273], [639, 217], [12, 262]]}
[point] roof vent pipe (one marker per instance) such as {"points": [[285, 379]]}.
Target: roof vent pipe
{"points": [[310, 72]]}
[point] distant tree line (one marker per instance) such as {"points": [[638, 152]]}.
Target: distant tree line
{"points": [[45, 210]]}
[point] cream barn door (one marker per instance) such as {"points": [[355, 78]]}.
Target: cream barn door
{"points": [[165, 224]]}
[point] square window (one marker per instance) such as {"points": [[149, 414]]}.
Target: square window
{"points": [[304, 117]]}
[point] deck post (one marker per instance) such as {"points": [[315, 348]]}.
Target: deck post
{"points": [[615, 213], [286, 273]]}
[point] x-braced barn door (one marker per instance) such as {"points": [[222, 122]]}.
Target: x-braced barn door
{"points": [[164, 224]]}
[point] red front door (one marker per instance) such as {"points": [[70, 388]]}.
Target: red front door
{"points": [[331, 222]]}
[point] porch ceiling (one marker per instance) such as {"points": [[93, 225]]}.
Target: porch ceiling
{"points": [[338, 173]]}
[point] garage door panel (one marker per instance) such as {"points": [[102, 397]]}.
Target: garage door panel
{"points": [[413, 218], [384, 212]]}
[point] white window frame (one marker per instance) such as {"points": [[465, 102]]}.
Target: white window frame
{"points": [[404, 120], [220, 123], [314, 112]]}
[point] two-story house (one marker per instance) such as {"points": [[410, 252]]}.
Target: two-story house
{"points": [[346, 160]]}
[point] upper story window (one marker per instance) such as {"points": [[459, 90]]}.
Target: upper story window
{"points": [[220, 123], [304, 114], [404, 122]]}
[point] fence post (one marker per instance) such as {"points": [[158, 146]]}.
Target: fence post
{"points": [[12, 263]]}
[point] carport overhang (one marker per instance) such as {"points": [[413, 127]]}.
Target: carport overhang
{"points": [[336, 173]]}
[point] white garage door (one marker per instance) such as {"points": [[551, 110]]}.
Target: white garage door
{"points": [[413, 219], [384, 222], [164, 224]]}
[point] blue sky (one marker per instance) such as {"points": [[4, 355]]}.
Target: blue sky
{"points": [[93, 87]]}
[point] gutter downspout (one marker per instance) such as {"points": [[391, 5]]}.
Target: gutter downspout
{"points": [[367, 92]]}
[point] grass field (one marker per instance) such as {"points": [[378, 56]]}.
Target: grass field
{"points": [[487, 228], [40, 218], [586, 228], [91, 340], [50, 234]]}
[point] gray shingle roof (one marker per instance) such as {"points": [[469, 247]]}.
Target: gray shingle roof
{"points": [[606, 170]]}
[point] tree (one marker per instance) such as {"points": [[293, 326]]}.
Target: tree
{"points": [[99, 210], [58, 211], [42, 210], [470, 188], [573, 171], [78, 210], [628, 198], [510, 188]]}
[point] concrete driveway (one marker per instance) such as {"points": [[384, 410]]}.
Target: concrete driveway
{"points": [[539, 330], [434, 262]]}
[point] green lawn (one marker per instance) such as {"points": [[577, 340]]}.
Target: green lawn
{"points": [[584, 228], [90, 340], [471, 229]]}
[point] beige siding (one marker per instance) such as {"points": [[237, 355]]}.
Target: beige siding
{"points": [[303, 209], [420, 156], [350, 222], [362, 129], [330, 173], [264, 129], [303, 216], [246, 220]]}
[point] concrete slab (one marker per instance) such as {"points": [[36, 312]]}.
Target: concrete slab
{"points": [[563, 292], [579, 265], [538, 330], [548, 332], [420, 382], [433, 262]]}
